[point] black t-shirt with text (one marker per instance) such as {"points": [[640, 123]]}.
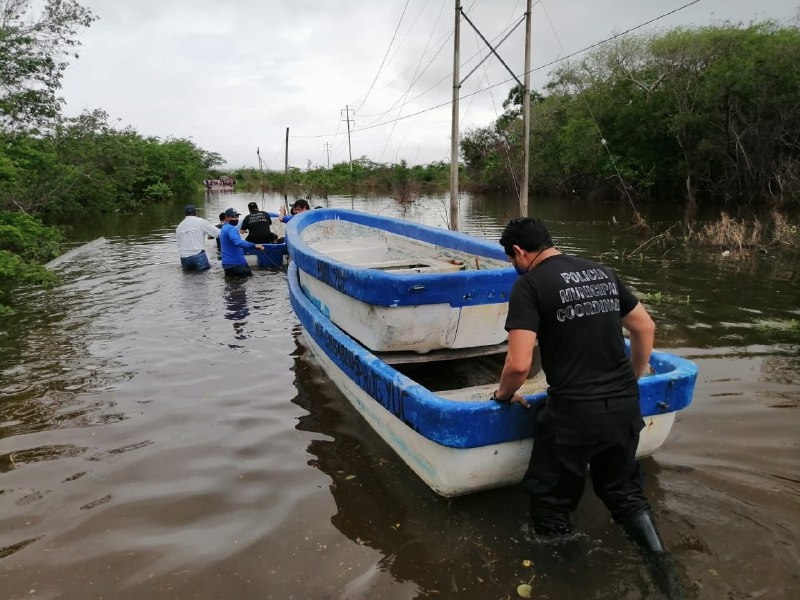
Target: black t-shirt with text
{"points": [[257, 226], [575, 306]]}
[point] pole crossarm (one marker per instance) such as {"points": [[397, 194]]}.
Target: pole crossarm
{"points": [[488, 56], [488, 45]]}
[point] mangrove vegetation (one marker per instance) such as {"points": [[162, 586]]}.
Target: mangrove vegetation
{"points": [[707, 114]]}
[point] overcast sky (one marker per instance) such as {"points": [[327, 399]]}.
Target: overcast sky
{"points": [[232, 75]]}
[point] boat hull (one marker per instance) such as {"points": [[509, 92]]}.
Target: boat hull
{"points": [[460, 446], [272, 256], [400, 286]]}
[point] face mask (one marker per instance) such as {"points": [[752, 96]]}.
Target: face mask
{"points": [[521, 270], [234, 222]]}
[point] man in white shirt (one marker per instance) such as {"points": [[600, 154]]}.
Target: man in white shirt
{"points": [[192, 233]]}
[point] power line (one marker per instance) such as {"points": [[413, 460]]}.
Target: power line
{"points": [[506, 81], [415, 78], [613, 37], [443, 79], [394, 35], [416, 64]]}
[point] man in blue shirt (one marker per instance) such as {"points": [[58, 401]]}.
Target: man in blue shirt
{"points": [[233, 260]]}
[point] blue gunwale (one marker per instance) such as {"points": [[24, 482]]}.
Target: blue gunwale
{"points": [[271, 256], [462, 424], [461, 288]]}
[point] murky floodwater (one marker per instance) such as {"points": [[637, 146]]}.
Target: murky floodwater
{"points": [[165, 435]]}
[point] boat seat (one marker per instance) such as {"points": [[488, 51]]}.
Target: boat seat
{"points": [[351, 251], [411, 265], [349, 245], [373, 254]]}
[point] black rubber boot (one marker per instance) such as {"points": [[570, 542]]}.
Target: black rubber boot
{"points": [[550, 523], [641, 529]]}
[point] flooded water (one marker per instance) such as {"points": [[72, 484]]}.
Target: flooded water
{"points": [[166, 436]]}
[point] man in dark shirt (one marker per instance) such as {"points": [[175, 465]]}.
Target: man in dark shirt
{"points": [[574, 309], [257, 225], [219, 226]]}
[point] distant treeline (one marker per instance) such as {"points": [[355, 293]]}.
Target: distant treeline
{"points": [[86, 166], [397, 180], [700, 114]]}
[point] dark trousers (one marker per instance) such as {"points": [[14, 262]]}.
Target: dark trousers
{"points": [[238, 271], [602, 435]]}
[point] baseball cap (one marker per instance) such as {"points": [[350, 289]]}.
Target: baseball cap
{"points": [[189, 209], [231, 212], [252, 206]]}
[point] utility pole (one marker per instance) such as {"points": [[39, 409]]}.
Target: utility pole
{"points": [[454, 124], [327, 147], [526, 108], [260, 176], [286, 173], [347, 110], [526, 118]]}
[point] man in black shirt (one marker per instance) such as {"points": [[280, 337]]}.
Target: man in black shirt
{"points": [[219, 226], [257, 225], [574, 309]]}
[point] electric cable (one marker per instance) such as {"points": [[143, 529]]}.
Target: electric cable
{"points": [[396, 29], [509, 80]]}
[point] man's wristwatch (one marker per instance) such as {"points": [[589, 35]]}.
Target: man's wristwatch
{"points": [[501, 400]]}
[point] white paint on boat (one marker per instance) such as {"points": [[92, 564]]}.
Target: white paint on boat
{"points": [[421, 328], [456, 471]]}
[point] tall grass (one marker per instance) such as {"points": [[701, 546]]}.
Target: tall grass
{"points": [[740, 235]]}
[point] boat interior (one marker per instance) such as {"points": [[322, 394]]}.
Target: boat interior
{"points": [[373, 249], [467, 377], [369, 254]]}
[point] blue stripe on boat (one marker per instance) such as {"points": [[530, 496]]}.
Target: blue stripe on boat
{"points": [[462, 424], [462, 288]]}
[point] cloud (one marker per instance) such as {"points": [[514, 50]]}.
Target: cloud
{"points": [[233, 75]]}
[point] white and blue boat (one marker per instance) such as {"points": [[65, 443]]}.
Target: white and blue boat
{"points": [[273, 255], [398, 286], [459, 441]]}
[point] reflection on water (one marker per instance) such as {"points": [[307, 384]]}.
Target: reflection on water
{"points": [[166, 435], [236, 305]]}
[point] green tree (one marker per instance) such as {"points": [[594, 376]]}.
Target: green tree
{"points": [[706, 113], [736, 109], [34, 51], [24, 244], [485, 151]]}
